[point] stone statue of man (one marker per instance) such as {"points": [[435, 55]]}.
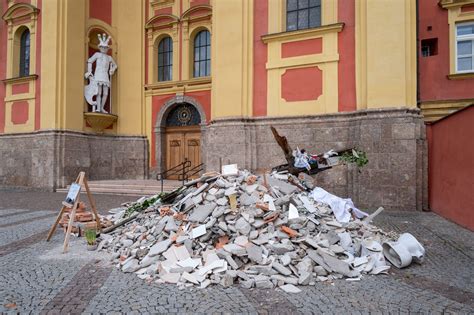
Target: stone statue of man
{"points": [[99, 82]]}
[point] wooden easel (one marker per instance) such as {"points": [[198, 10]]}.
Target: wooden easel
{"points": [[80, 180]]}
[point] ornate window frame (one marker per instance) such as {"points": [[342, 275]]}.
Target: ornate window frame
{"points": [[18, 17], [20, 90], [456, 16], [194, 20], [157, 28]]}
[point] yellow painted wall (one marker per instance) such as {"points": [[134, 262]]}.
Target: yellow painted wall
{"points": [[386, 53], [127, 18], [62, 64], [231, 63], [385, 60]]}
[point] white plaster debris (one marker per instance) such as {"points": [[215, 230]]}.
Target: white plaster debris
{"points": [[293, 213], [278, 235], [198, 231]]}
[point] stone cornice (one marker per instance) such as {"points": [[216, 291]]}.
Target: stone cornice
{"points": [[460, 76], [28, 10], [359, 114], [27, 78], [171, 84], [446, 4]]}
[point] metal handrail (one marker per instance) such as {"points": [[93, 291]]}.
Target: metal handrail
{"points": [[192, 171], [179, 169]]}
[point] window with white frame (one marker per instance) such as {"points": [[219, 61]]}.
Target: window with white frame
{"points": [[465, 47]]}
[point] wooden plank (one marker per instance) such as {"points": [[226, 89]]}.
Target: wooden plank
{"points": [[92, 202], [53, 228], [73, 215]]}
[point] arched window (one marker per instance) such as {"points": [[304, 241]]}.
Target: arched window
{"points": [[165, 59], [25, 54], [202, 54]]}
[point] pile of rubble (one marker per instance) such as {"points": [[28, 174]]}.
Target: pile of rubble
{"points": [[258, 231]]}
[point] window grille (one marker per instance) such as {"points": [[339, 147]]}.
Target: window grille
{"points": [[302, 14]]}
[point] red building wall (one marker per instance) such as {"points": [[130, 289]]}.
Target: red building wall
{"points": [[451, 167], [433, 70], [346, 66]]}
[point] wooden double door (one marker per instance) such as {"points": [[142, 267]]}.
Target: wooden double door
{"points": [[182, 143]]}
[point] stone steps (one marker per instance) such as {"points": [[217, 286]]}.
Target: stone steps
{"points": [[128, 187]]}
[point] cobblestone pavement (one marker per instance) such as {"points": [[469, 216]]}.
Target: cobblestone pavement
{"points": [[36, 277]]}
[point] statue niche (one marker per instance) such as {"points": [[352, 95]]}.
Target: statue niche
{"points": [[99, 87], [99, 81]]}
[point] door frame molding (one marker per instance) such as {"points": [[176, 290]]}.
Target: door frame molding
{"points": [[160, 127]]}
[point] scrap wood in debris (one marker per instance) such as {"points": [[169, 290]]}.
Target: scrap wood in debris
{"points": [[324, 162], [273, 236]]}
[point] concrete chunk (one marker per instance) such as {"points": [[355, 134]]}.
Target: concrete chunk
{"points": [[159, 247], [189, 277], [254, 253], [242, 226], [281, 269], [235, 249], [200, 213]]}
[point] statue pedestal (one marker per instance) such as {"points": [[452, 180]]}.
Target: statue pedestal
{"points": [[100, 121]]}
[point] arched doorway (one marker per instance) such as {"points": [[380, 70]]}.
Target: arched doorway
{"points": [[178, 133]]}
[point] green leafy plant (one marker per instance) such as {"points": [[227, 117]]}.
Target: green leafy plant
{"points": [[91, 236], [358, 157], [143, 205]]}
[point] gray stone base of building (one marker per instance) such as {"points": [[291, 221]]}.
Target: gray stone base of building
{"points": [[394, 139], [51, 159]]}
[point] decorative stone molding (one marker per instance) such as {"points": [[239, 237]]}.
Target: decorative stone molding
{"points": [[285, 36], [176, 101], [189, 16], [162, 20], [20, 10], [100, 121], [21, 79], [460, 76], [160, 4], [160, 127], [446, 4]]}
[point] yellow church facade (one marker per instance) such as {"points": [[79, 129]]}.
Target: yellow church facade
{"points": [[203, 81]]}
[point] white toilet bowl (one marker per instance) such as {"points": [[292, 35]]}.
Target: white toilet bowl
{"points": [[402, 252]]}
